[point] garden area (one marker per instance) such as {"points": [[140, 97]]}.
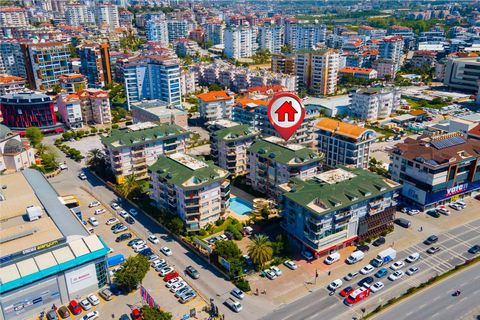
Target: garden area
{"points": [[436, 103]]}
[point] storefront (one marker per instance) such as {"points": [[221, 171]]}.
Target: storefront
{"points": [[452, 194]]}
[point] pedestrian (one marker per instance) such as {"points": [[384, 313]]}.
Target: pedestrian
{"points": [[113, 315], [421, 228], [256, 292], [329, 272]]}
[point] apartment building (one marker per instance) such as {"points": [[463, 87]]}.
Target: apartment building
{"points": [[391, 48], [95, 106], [229, 147], [45, 62], [360, 73], [272, 162], [214, 32], [156, 30], [343, 143], [436, 169], [79, 15], [11, 84], [334, 209], [186, 47], [178, 29], [283, 63], [188, 82], [13, 17], [72, 82], [70, 109], [95, 63], [215, 105], [462, 74], [131, 150], [195, 190], [158, 111], [271, 38], [240, 42], [11, 58], [423, 59], [317, 71], [153, 77], [385, 68], [107, 16], [300, 36], [375, 103], [406, 33]]}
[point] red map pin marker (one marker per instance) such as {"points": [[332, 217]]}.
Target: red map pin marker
{"points": [[286, 113]]}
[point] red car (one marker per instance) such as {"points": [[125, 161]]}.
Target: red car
{"points": [[346, 291], [75, 307], [136, 314], [170, 276]]}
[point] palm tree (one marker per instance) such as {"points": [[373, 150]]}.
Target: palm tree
{"points": [[260, 250], [95, 157], [41, 149], [129, 185]]}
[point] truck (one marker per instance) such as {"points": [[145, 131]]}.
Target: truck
{"points": [[357, 296], [385, 256], [115, 260], [355, 257]]}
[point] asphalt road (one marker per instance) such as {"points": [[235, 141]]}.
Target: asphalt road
{"points": [[443, 306], [211, 284], [454, 244]]}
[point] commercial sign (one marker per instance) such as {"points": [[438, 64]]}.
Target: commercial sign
{"points": [[40, 247], [455, 190], [81, 278]]}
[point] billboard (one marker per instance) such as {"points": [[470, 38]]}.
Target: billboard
{"points": [[81, 278]]}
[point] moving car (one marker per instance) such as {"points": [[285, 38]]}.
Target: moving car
{"points": [[100, 211], [93, 204], [412, 271], [346, 291], [153, 239], [93, 299], [397, 265], [475, 249], [111, 221], [367, 269], [123, 237], [413, 257], [381, 273], [234, 305], [290, 264], [378, 242], [335, 284], [430, 240], [433, 250], [237, 293], [377, 286], [75, 307], [166, 251], [396, 275], [192, 272]]}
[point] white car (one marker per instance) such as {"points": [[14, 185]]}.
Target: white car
{"points": [[124, 214], [270, 274], [396, 275], [178, 286], [93, 221], [63, 166], [377, 286], [413, 212], [166, 251], [166, 271], [100, 211], [137, 249], [290, 264], [335, 285], [411, 271], [462, 204], [91, 315], [82, 176], [153, 239], [455, 206], [133, 211], [367, 269], [93, 204], [120, 229], [413, 257], [171, 282], [155, 263], [397, 265], [277, 271], [443, 210], [111, 221], [153, 257], [115, 206], [85, 304], [93, 299], [115, 270]]}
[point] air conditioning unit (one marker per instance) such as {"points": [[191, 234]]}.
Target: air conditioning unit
{"points": [[34, 213]]}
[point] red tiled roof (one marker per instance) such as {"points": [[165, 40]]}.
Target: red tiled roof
{"points": [[475, 131], [356, 70], [214, 96], [6, 78]]}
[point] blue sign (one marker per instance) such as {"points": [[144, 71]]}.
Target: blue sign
{"points": [[449, 192]]}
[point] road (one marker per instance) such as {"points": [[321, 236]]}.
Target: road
{"points": [[211, 284], [443, 306], [319, 305]]}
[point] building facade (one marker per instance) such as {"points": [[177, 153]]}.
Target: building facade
{"points": [[300, 36], [215, 105], [343, 143], [79, 15], [13, 17], [107, 16], [70, 109], [271, 38], [95, 63], [11, 84], [462, 74], [95, 106], [391, 48], [158, 111], [195, 190], [282, 63], [240, 42], [15, 154], [73, 82], [11, 58], [157, 30], [131, 150], [178, 29], [375, 103]]}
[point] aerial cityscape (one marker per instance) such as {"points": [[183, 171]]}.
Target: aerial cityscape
{"points": [[236, 159]]}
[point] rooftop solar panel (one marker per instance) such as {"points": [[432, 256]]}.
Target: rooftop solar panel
{"points": [[448, 142]]}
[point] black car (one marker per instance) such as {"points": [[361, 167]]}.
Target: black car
{"points": [[192, 272], [115, 226], [133, 241], [363, 247], [433, 213], [475, 249], [367, 280], [146, 252], [130, 220], [123, 237], [430, 240], [379, 242]]}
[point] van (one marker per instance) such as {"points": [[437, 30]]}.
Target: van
{"points": [[355, 257], [334, 257], [403, 222]]}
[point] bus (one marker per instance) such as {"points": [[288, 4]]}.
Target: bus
{"points": [[357, 296]]}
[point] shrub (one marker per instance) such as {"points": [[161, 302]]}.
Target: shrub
{"points": [[114, 126], [243, 285], [219, 222], [202, 232]]}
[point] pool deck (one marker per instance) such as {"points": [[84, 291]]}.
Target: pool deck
{"points": [[245, 196]]}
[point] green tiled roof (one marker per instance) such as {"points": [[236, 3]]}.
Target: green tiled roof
{"points": [[125, 137], [183, 176], [283, 154], [365, 185], [235, 133]]}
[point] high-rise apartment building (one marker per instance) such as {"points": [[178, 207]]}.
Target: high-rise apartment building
{"points": [[178, 29], [79, 14], [95, 63], [317, 71], [215, 105], [95, 106], [304, 36], [45, 62], [283, 63], [271, 37], [375, 103], [11, 58], [11, 84], [214, 32], [13, 17], [462, 74], [157, 30], [107, 16], [153, 77], [239, 42], [391, 48]]}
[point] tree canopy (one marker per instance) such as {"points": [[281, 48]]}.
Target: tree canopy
{"points": [[149, 313], [34, 135], [134, 270]]}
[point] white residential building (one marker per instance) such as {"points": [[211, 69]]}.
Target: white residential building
{"points": [[304, 36], [95, 106], [271, 38], [391, 48], [11, 84], [79, 14], [13, 17], [157, 30], [188, 82], [70, 109], [317, 71], [178, 29], [462, 74], [239, 42], [195, 190], [215, 105], [375, 103], [107, 16], [214, 32]]}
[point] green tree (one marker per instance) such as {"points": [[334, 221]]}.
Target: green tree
{"points": [[215, 87], [57, 89], [260, 250], [208, 44], [49, 161], [34, 135], [95, 158], [149, 313], [188, 60], [129, 185], [134, 270], [227, 249], [176, 225]]}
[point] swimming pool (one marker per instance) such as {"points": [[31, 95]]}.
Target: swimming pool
{"points": [[240, 206]]}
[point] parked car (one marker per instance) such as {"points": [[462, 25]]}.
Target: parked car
{"points": [[332, 258], [153, 239], [237, 293], [82, 176], [381, 273], [430, 240], [166, 271], [123, 237], [377, 286], [171, 275], [403, 222], [158, 262], [475, 249], [307, 255], [115, 206], [350, 275], [443, 210], [178, 286], [455, 206], [124, 317], [277, 271], [181, 291], [93, 204], [397, 265], [120, 229], [93, 221], [52, 315], [363, 247], [433, 250], [396, 275], [136, 314], [367, 269], [413, 212], [433, 213], [346, 291], [190, 295], [124, 214], [412, 271], [106, 294], [270, 274], [63, 312], [192, 272], [75, 307], [171, 282], [111, 221], [413, 257], [166, 251], [290, 264], [335, 284], [234, 305], [130, 220], [136, 241], [378, 242], [461, 203], [91, 315], [93, 299], [100, 211]]}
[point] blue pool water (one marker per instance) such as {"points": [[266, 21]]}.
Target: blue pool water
{"points": [[240, 206]]}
